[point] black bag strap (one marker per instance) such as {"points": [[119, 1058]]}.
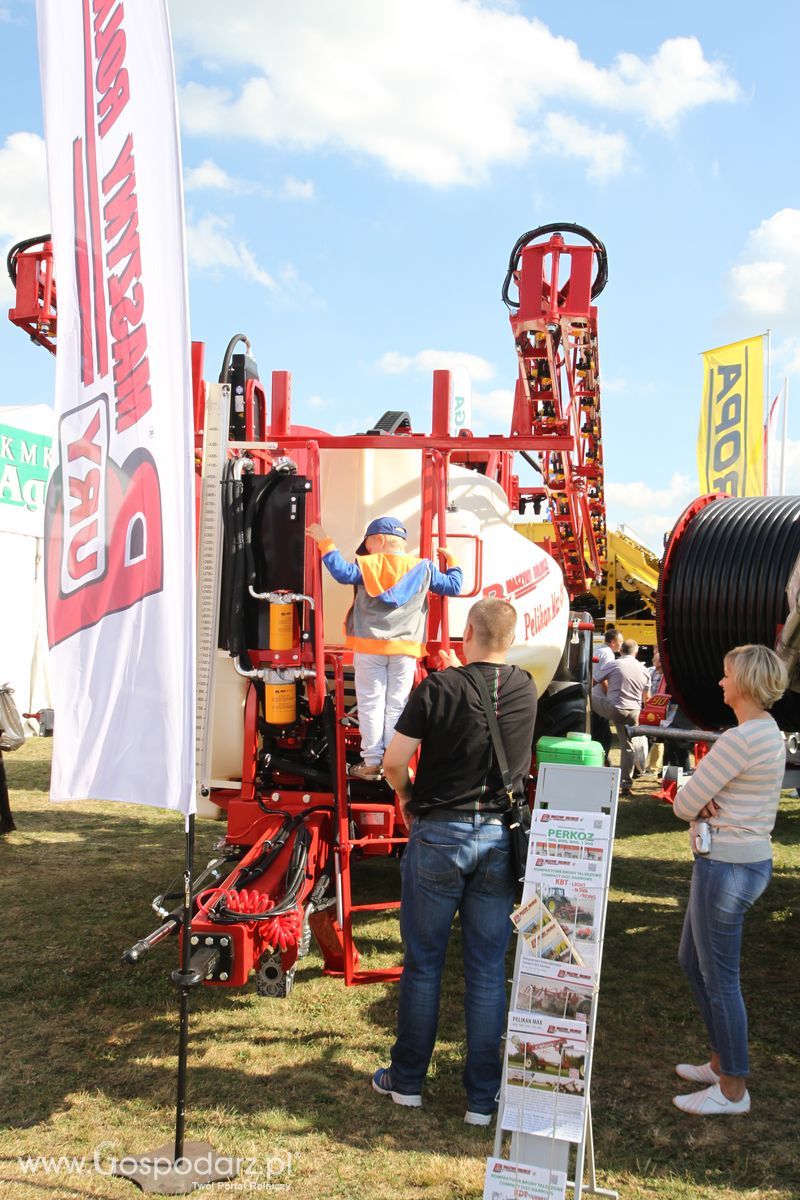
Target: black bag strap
{"points": [[476, 676]]}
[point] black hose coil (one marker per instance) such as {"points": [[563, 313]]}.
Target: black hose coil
{"points": [[723, 584]]}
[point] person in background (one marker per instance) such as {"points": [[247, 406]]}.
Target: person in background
{"points": [[385, 627], [656, 754], [6, 819], [601, 728], [676, 754], [735, 788], [627, 682]]}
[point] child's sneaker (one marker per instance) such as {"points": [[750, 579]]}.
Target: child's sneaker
{"points": [[362, 770]]}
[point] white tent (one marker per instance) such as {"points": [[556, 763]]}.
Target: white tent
{"points": [[26, 458]]}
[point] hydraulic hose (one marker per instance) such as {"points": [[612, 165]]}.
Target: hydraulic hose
{"points": [[226, 361], [254, 505], [233, 521], [238, 525], [20, 248], [295, 877], [600, 279], [727, 570], [291, 766], [531, 462]]}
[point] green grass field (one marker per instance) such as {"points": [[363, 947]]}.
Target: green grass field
{"points": [[89, 1045]]}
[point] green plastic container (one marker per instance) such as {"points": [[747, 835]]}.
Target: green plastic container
{"points": [[576, 749]]}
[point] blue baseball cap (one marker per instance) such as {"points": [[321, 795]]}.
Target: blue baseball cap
{"points": [[383, 525]]}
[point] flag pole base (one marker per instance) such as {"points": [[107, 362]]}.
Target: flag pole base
{"points": [[158, 1173]]}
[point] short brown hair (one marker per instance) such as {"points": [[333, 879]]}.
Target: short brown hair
{"points": [[758, 672], [630, 646], [493, 622]]}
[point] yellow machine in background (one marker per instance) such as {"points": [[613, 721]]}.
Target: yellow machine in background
{"points": [[626, 596]]}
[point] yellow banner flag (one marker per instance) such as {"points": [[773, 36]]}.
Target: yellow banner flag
{"points": [[730, 442]]}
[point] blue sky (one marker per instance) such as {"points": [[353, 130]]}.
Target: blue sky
{"points": [[357, 173]]}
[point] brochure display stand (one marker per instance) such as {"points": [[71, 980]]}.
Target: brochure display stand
{"points": [[545, 1107]]}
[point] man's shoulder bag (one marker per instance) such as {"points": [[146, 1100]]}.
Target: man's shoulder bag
{"points": [[518, 815]]}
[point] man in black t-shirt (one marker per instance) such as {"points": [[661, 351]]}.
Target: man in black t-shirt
{"points": [[458, 857]]}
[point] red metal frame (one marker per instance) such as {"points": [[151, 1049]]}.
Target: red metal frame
{"points": [[35, 307], [363, 826], [557, 399]]}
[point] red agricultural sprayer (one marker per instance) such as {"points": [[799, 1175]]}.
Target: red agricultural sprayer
{"points": [[277, 724]]}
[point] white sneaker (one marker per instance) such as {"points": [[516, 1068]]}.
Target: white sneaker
{"points": [[476, 1118], [712, 1103], [704, 1073], [363, 770]]}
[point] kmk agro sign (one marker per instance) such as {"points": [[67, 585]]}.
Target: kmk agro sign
{"points": [[26, 460]]}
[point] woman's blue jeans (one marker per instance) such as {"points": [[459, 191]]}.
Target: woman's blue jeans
{"points": [[721, 893], [449, 867]]}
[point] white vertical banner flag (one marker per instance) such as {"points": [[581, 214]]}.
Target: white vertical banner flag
{"points": [[120, 508], [772, 474]]}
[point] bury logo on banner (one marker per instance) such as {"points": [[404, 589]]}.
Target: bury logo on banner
{"points": [[119, 577], [105, 543]]}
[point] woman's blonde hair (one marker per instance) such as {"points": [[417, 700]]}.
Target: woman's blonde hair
{"points": [[758, 672]]}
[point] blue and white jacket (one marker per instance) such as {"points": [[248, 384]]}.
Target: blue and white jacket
{"points": [[391, 602]]}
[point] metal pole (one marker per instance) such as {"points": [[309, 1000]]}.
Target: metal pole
{"points": [[783, 436], [765, 485], [175, 1170], [183, 1035]]}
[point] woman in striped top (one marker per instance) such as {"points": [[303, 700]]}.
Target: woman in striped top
{"points": [[736, 788]]}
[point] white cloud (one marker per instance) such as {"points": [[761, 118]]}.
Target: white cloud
{"points": [[297, 189], [761, 287], [649, 528], [649, 512], [209, 176], [426, 361], [605, 154], [766, 280], [24, 207], [613, 384], [438, 91], [639, 497], [492, 410], [211, 249], [786, 356], [676, 79]]}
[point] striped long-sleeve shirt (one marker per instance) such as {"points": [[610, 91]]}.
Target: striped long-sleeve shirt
{"points": [[742, 773]]}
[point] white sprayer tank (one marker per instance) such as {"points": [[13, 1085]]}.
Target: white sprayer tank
{"points": [[359, 485]]}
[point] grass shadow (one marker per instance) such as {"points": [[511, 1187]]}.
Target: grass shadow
{"points": [[92, 1043]]}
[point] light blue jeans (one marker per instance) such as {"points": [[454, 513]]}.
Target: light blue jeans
{"points": [[449, 867], [383, 684], [720, 895]]}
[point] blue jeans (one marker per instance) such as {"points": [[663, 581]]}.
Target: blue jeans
{"points": [[720, 895], [449, 867]]}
